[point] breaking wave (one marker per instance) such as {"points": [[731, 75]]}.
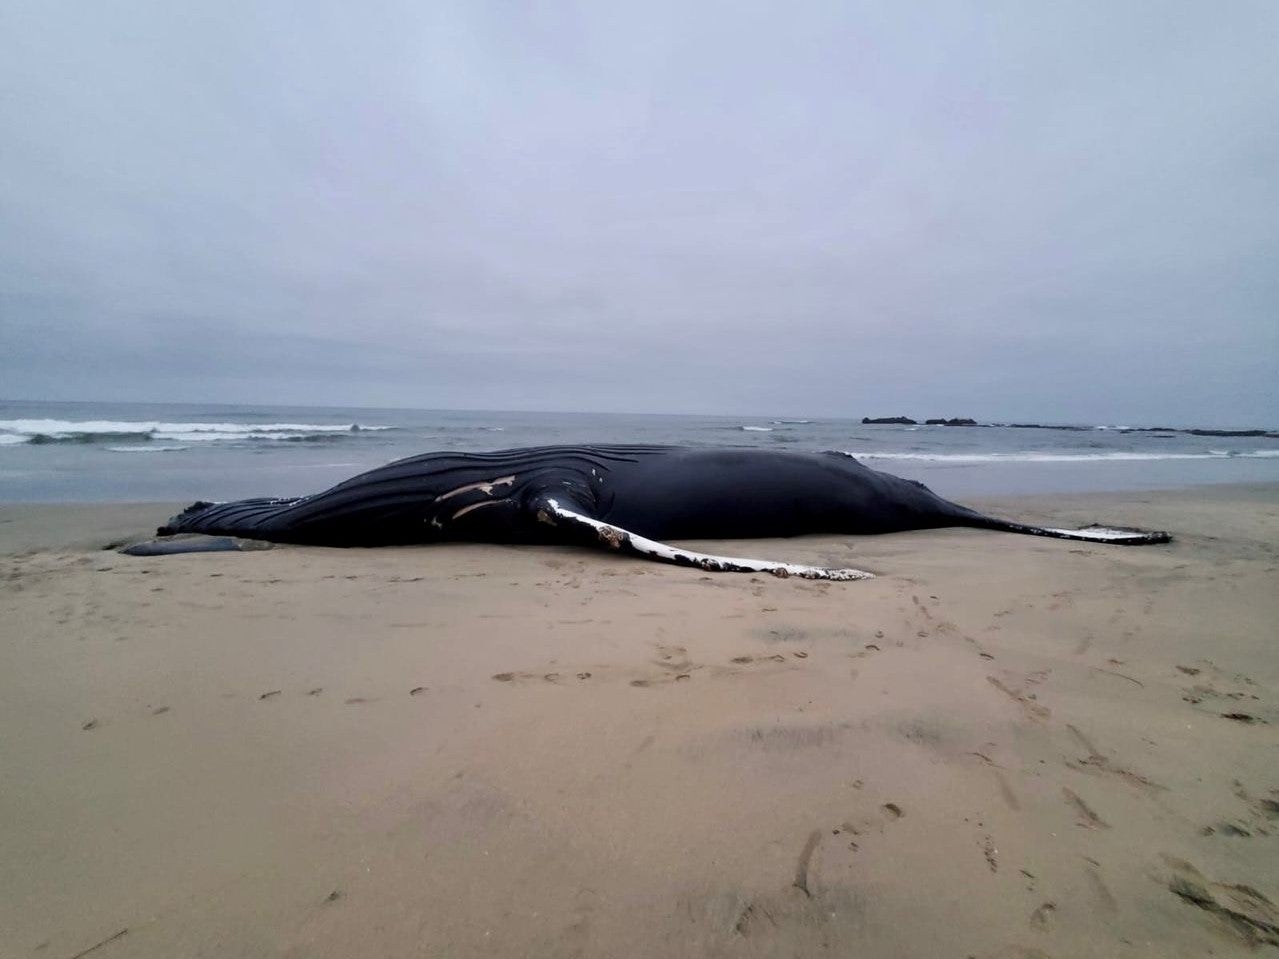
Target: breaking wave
{"points": [[40, 432], [148, 448], [1028, 456]]}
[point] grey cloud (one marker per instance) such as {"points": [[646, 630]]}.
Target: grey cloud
{"points": [[1000, 210]]}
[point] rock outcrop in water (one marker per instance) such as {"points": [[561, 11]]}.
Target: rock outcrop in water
{"points": [[957, 421], [1041, 426], [888, 421]]}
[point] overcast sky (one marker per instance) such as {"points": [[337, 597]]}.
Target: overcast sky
{"points": [[1060, 211]]}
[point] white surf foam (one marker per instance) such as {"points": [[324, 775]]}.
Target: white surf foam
{"points": [[216, 436], [23, 431], [758, 429], [1037, 457], [147, 448]]}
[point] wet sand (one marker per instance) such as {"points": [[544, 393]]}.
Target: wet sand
{"points": [[1003, 746]]}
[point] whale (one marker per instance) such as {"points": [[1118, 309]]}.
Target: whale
{"points": [[628, 499]]}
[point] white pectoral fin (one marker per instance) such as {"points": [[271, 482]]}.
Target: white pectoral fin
{"points": [[1109, 534], [615, 537]]}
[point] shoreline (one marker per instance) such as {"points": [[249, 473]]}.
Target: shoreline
{"points": [[1002, 745], [111, 453], [200, 408]]}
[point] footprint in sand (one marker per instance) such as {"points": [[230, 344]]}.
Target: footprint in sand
{"points": [[856, 832], [1041, 918], [1233, 830], [674, 678], [675, 664], [1087, 817], [1213, 685], [1097, 762], [1239, 909], [1261, 815], [1006, 791], [1031, 708], [554, 679], [806, 861], [673, 659], [775, 658], [921, 607], [1105, 898], [988, 850]]}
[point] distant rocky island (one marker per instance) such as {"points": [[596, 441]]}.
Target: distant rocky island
{"points": [[907, 421], [967, 421]]}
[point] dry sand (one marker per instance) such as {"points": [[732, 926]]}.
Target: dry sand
{"points": [[1003, 746]]}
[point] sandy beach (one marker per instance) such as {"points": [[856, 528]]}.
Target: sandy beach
{"points": [[1003, 746]]}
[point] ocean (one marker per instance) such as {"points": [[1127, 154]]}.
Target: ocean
{"points": [[133, 452]]}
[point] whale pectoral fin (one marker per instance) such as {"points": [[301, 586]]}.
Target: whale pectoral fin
{"points": [[1115, 535], [1119, 535], [623, 540], [170, 546]]}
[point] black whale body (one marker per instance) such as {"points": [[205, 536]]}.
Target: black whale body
{"points": [[622, 496]]}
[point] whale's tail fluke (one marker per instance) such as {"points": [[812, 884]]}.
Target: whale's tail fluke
{"points": [[1115, 535]]}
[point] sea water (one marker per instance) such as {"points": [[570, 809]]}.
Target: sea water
{"points": [[114, 452]]}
